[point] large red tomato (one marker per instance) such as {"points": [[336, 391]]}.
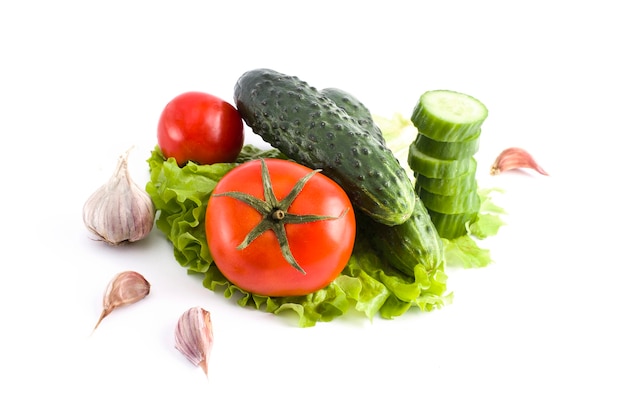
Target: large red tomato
{"points": [[278, 228], [200, 127]]}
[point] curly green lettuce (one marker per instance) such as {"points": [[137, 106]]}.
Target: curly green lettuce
{"points": [[367, 285]]}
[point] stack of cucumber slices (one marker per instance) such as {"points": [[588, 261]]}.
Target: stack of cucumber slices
{"points": [[442, 157]]}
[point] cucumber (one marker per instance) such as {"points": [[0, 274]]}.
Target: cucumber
{"points": [[416, 241], [448, 116], [432, 167], [356, 109], [451, 226], [449, 125], [311, 129], [449, 186], [451, 204], [447, 150]]}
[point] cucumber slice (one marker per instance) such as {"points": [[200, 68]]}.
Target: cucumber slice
{"points": [[449, 186], [431, 167], [448, 150], [448, 116], [450, 204], [451, 226]]}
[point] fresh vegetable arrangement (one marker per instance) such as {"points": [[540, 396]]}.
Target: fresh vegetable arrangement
{"points": [[343, 211], [326, 220]]}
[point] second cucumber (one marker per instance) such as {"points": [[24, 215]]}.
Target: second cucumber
{"points": [[309, 127]]}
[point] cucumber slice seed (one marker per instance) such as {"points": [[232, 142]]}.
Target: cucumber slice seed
{"points": [[448, 116]]}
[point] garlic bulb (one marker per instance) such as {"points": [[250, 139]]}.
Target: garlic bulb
{"points": [[119, 211]]}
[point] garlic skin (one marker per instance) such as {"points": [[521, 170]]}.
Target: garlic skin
{"points": [[119, 211], [194, 336], [515, 158], [125, 288]]}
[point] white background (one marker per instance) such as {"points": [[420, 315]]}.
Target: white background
{"points": [[538, 332]]}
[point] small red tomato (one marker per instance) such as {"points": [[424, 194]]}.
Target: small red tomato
{"points": [[278, 228], [200, 127]]}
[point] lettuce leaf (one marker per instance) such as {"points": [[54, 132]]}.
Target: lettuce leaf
{"points": [[489, 218], [367, 285]]}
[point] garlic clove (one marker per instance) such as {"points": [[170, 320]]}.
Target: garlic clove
{"points": [[194, 336], [125, 288], [515, 158], [119, 211]]}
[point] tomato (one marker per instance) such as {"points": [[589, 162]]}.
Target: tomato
{"points": [[269, 239], [200, 127]]}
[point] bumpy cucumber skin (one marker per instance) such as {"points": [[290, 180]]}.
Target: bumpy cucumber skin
{"points": [[313, 130], [413, 242], [355, 108]]}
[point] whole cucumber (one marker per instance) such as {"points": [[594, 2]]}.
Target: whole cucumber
{"points": [[413, 242], [313, 130]]}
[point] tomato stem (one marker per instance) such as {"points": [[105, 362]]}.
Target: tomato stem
{"points": [[278, 214]]}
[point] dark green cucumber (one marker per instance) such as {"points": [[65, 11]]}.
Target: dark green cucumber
{"points": [[448, 150], [356, 109], [413, 242], [310, 128]]}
